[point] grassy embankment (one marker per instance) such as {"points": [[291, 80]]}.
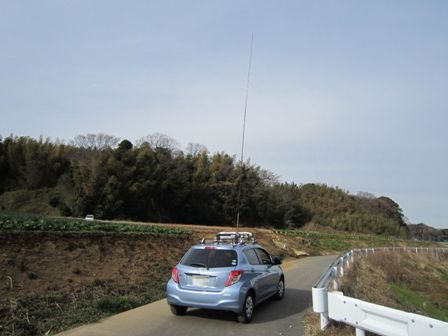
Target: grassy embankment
{"points": [[415, 283]]}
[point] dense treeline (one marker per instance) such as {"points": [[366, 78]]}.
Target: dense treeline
{"points": [[155, 181]]}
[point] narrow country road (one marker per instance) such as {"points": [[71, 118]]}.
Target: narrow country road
{"points": [[271, 318]]}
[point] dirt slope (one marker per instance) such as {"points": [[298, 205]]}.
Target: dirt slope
{"points": [[52, 280]]}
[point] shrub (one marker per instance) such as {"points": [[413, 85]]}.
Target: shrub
{"points": [[391, 264], [116, 304]]}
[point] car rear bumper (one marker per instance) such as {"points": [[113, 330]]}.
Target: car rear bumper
{"points": [[230, 298]]}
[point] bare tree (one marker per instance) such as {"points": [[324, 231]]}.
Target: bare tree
{"points": [[158, 140], [95, 141], [365, 195], [268, 177], [195, 149]]}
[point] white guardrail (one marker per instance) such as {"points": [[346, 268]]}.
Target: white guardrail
{"points": [[365, 316]]}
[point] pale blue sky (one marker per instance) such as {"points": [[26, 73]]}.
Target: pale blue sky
{"points": [[347, 93]]}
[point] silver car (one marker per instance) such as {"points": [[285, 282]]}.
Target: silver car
{"points": [[231, 273]]}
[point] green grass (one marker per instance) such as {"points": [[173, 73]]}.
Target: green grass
{"points": [[317, 243], [323, 235], [418, 302], [18, 222], [443, 274], [334, 245], [117, 304]]}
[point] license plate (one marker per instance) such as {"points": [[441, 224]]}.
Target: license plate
{"points": [[200, 281]]}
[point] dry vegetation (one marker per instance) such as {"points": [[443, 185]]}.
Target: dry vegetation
{"points": [[415, 283], [52, 281], [312, 327]]}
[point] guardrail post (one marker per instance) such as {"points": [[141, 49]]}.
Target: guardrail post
{"points": [[335, 278], [342, 266], [320, 305], [360, 332], [324, 320]]}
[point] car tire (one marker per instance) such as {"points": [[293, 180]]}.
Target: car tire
{"points": [[178, 310], [280, 289], [245, 316]]}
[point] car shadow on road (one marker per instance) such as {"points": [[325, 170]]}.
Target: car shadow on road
{"points": [[212, 314], [294, 302]]}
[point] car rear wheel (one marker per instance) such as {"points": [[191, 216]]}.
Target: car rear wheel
{"points": [[248, 309], [178, 310], [280, 289]]}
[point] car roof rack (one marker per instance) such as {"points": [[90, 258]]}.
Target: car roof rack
{"points": [[231, 237]]}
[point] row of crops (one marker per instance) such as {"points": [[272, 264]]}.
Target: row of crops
{"points": [[322, 235], [14, 222]]}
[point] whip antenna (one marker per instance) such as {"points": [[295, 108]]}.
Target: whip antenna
{"points": [[244, 133]]}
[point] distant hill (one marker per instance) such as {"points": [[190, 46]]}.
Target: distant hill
{"points": [[424, 232], [336, 208], [153, 180]]}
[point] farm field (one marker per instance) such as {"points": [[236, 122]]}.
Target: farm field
{"points": [[17, 222]]}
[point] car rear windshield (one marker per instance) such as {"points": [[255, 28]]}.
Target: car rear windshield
{"points": [[210, 258]]}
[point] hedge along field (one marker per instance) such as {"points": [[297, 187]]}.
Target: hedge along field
{"points": [[323, 235], [16, 222]]}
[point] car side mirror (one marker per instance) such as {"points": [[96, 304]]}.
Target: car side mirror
{"points": [[277, 260]]}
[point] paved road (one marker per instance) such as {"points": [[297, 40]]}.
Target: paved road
{"points": [[271, 318]]}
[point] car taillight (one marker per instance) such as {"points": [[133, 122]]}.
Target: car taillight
{"points": [[175, 274], [234, 277]]}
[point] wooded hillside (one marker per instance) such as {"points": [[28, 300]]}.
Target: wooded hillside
{"points": [[155, 181]]}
